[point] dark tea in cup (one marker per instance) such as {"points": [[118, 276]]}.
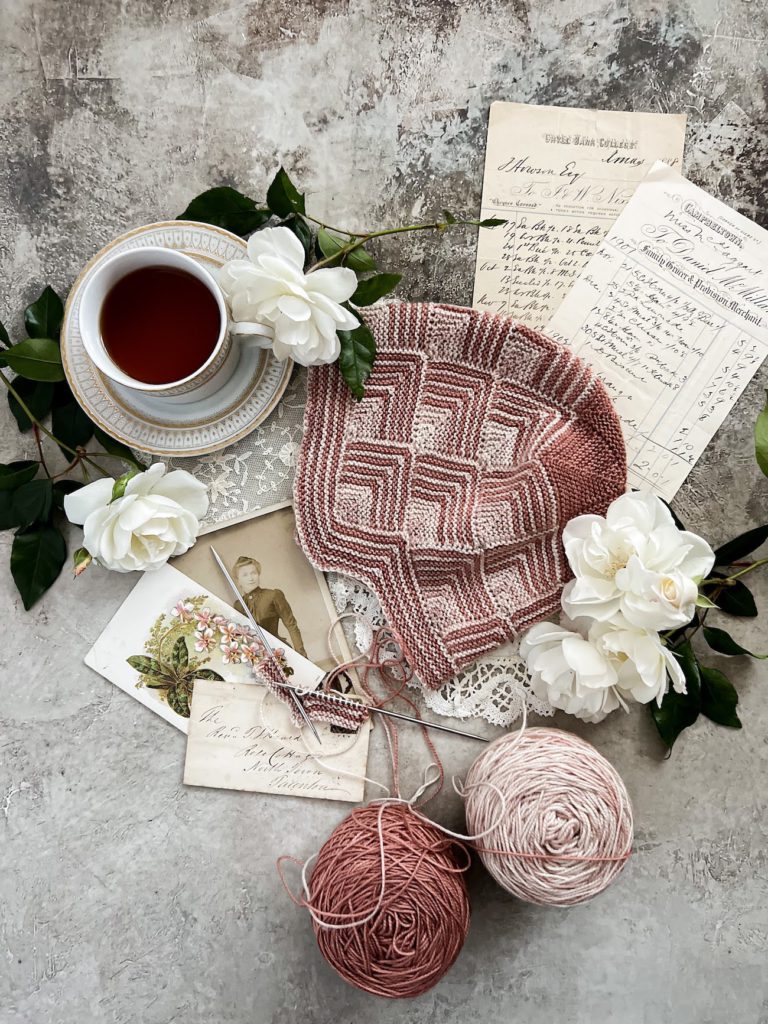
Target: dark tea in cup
{"points": [[160, 324]]}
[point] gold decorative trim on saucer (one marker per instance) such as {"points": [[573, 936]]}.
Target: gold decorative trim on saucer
{"points": [[151, 423]]}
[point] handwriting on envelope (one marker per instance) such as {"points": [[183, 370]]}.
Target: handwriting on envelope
{"points": [[560, 176], [240, 737], [672, 313]]}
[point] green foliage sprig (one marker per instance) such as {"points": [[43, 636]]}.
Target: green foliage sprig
{"points": [[324, 246], [709, 692], [31, 494]]}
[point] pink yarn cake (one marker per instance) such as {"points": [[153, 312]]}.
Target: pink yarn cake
{"points": [[446, 489]]}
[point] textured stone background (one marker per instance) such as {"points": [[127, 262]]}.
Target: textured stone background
{"points": [[123, 896]]}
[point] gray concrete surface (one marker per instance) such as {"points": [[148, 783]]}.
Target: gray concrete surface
{"points": [[123, 896]]}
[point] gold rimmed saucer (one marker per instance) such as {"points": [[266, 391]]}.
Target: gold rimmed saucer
{"points": [[155, 424]]}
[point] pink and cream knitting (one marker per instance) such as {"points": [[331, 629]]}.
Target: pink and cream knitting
{"points": [[447, 487]]}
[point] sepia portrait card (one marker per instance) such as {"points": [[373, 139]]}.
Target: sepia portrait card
{"points": [[672, 313], [560, 176], [286, 595]]}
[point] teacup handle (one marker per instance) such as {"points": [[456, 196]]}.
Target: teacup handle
{"points": [[257, 335]]}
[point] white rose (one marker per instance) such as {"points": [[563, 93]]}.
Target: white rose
{"points": [[303, 309], [639, 659], [569, 672], [156, 518], [654, 591], [656, 600], [589, 673]]}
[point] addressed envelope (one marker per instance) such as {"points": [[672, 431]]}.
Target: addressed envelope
{"points": [[241, 737]]}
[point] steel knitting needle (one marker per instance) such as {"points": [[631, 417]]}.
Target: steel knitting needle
{"points": [[294, 694], [374, 709]]}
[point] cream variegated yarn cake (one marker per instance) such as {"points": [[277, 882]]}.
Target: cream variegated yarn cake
{"points": [[447, 487]]}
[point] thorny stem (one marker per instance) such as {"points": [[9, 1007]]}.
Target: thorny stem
{"points": [[359, 240], [45, 430], [36, 432]]}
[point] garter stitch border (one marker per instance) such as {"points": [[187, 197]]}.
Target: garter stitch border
{"points": [[446, 489]]}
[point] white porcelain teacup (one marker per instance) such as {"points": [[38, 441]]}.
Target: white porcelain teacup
{"points": [[218, 367]]}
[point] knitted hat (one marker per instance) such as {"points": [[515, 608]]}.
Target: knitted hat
{"points": [[446, 489]]}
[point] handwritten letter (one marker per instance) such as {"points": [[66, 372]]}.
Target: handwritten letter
{"points": [[240, 737], [672, 312], [561, 177]]}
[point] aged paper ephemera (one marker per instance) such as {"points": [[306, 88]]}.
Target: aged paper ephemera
{"points": [[561, 177], [672, 313], [241, 737]]}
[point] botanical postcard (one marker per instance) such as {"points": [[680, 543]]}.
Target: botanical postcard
{"points": [[560, 176], [170, 640], [169, 632]]}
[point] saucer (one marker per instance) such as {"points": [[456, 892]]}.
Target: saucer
{"points": [[160, 425]]}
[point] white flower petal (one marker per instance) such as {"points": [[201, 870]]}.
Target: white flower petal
{"points": [[143, 483], [181, 487], [294, 307], [276, 241], [338, 283], [80, 504]]}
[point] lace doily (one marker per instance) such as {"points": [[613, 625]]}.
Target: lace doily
{"points": [[258, 471], [495, 688]]}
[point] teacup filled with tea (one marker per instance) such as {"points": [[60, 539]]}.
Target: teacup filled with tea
{"points": [[155, 320]]}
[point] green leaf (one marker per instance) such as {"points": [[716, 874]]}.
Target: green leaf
{"points": [[180, 655], [736, 599], [32, 502], [118, 490], [225, 207], [303, 232], [37, 557], [145, 665], [761, 439], [69, 422], [283, 198], [208, 673], [330, 244], [43, 318], [36, 359], [358, 353], [14, 474], [702, 601], [741, 546], [4, 339], [8, 516], [61, 489], [37, 395], [117, 448], [159, 682], [719, 698], [358, 259], [373, 288], [724, 643], [678, 711], [491, 222], [449, 217]]}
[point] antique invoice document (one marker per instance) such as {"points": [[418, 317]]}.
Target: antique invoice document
{"points": [[672, 313], [561, 176]]}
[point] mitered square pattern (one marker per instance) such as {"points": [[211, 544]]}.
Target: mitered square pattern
{"points": [[447, 487]]}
